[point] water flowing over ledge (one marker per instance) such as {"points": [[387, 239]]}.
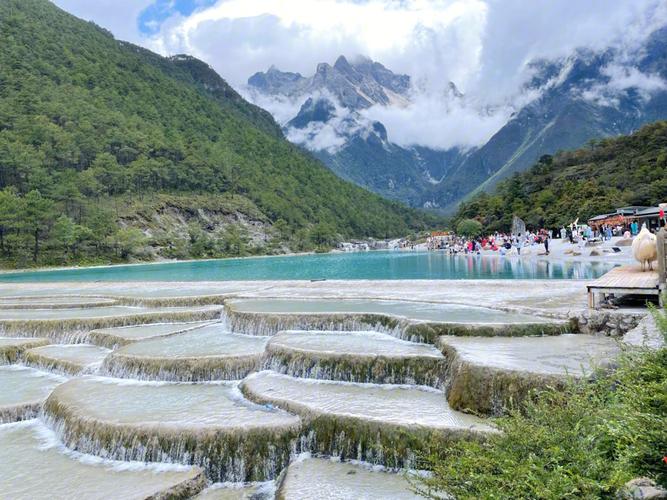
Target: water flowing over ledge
{"points": [[206, 353], [381, 424], [380, 380], [488, 375], [23, 390], [209, 425], [69, 359], [12, 348], [33, 464], [367, 357]]}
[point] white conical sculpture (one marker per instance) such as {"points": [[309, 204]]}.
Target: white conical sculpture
{"points": [[645, 248]]}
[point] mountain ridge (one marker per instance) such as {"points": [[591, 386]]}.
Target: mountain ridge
{"points": [[88, 122], [587, 95]]}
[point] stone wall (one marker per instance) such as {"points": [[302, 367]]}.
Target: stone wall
{"points": [[607, 321]]}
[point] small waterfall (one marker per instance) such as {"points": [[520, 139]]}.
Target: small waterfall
{"points": [[180, 370], [9, 414], [76, 330], [348, 368], [54, 335], [372, 448], [264, 324], [226, 456]]}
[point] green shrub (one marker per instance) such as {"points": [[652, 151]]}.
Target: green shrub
{"points": [[583, 442]]}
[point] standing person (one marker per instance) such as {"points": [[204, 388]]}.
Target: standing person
{"points": [[519, 244], [546, 243]]}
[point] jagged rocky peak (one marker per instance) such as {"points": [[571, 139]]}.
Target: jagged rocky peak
{"points": [[357, 84], [313, 110], [275, 81]]}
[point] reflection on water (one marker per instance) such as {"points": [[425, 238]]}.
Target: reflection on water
{"points": [[366, 265]]}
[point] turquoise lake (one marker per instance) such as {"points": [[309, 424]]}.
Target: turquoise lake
{"points": [[389, 265]]}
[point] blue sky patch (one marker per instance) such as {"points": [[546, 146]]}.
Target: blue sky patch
{"points": [[152, 17]]}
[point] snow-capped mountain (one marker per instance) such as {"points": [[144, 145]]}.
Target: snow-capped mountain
{"points": [[565, 103]]}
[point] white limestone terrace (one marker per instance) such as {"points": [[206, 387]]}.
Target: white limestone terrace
{"points": [[87, 313], [568, 354], [58, 302], [23, 390], [238, 491], [645, 334], [546, 297], [34, 465], [12, 348], [377, 423], [209, 352], [70, 325], [206, 424], [419, 311], [362, 344], [488, 375], [356, 356], [399, 405], [123, 335], [67, 358], [326, 479]]}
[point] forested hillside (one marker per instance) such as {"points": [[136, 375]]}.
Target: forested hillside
{"points": [[605, 175], [108, 152]]}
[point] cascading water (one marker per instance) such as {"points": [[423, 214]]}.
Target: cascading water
{"points": [[352, 386], [206, 353], [208, 424], [354, 357]]}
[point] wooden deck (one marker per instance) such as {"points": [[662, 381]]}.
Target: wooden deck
{"points": [[624, 280]]}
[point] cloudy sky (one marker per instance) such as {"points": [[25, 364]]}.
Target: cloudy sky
{"points": [[481, 45]]}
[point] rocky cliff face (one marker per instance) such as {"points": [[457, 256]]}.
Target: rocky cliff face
{"points": [[331, 123], [588, 95]]}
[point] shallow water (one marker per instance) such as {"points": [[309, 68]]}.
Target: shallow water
{"points": [[141, 332], [212, 340], [316, 479], [33, 465], [226, 491], [54, 302], [401, 405], [360, 265], [188, 406], [562, 354], [20, 385], [20, 341], [353, 343], [83, 355], [94, 312], [423, 311]]}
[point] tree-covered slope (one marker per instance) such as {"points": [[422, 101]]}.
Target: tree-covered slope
{"points": [[86, 120], [610, 173]]}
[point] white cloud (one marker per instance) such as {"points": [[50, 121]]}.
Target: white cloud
{"points": [[622, 79], [484, 46], [118, 16], [436, 123]]}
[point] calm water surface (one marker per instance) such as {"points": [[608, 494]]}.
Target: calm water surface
{"points": [[391, 265]]}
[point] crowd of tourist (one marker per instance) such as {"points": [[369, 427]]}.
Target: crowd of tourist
{"points": [[502, 243], [528, 241]]}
